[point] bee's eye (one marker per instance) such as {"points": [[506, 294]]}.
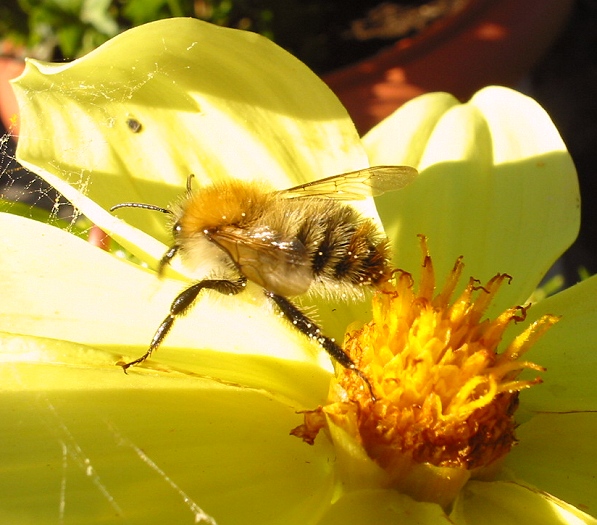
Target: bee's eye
{"points": [[177, 228]]}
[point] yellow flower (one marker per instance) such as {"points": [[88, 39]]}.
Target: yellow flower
{"points": [[200, 434], [444, 396]]}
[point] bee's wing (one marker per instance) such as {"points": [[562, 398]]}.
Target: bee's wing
{"points": [[356, 185], [278, 266]]}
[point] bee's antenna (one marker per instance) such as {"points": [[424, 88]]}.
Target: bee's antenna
{"points": [[140, 205]]}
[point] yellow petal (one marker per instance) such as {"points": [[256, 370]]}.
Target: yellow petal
{"points": [[509, 503], [211, 101], [376, 507], [82, 443], [63, 288], [556, 452], [401, 139], [567, 351], [496, 185]]}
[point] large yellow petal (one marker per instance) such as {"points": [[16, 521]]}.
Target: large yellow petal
{"points": [[556, 452], [85, 444], [567, 350], [401, 139], [211, 101], [510, 503], [57, 286], [376, 507], [497, 186]]}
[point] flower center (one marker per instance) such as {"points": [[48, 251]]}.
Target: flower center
{"points": [[445, 396]]}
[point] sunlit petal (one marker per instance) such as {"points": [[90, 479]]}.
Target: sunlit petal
{"points": [[567, 351], [557, 453], [86, 444], [57, 294], [131, 120], [509, 503], [486, 191], [374, 507]]}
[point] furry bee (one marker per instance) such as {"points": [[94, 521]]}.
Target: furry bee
{"points": [[306, 239]]}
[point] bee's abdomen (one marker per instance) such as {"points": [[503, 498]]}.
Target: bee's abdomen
{"points": [[364, 258], [345, 248], [324, 252]]}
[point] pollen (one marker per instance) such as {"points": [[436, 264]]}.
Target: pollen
{"points": [[446, 386]]}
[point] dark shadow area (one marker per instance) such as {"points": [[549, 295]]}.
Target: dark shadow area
{"points": [[565, 84]]}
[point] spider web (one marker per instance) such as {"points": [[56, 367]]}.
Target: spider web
{"points": [[22, 192]]}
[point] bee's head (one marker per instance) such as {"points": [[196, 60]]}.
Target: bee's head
{"points": [[176, 230]]}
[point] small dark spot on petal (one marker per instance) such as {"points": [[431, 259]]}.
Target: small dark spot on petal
{"points": [[134, 125]]}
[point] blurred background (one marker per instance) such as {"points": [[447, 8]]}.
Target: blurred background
{"points": [[374, 55]]}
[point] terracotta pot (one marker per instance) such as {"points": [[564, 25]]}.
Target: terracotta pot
{"points": [[488, 42], [9, 68]]}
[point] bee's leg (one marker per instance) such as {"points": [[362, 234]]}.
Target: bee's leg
{"points": [[165, 260], [310, 329], [181, 305]]}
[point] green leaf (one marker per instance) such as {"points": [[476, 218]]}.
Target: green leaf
{"points": [[98, 14], [143, 11], [69, 38]]}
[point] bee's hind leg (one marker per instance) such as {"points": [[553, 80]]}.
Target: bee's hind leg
{"points": [[181, 305], [310, 329]]}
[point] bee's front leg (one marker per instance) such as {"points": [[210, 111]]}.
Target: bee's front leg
{"points": [[181, 305], [310, 329]]}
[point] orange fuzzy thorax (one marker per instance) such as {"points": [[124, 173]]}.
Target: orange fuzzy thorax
{"points": [[233, 202]]}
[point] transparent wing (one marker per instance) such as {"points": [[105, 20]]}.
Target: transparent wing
{"points": [[356, 185], [279, 266]]}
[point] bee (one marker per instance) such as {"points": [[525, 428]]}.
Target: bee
{"points": [[306, 239]]}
